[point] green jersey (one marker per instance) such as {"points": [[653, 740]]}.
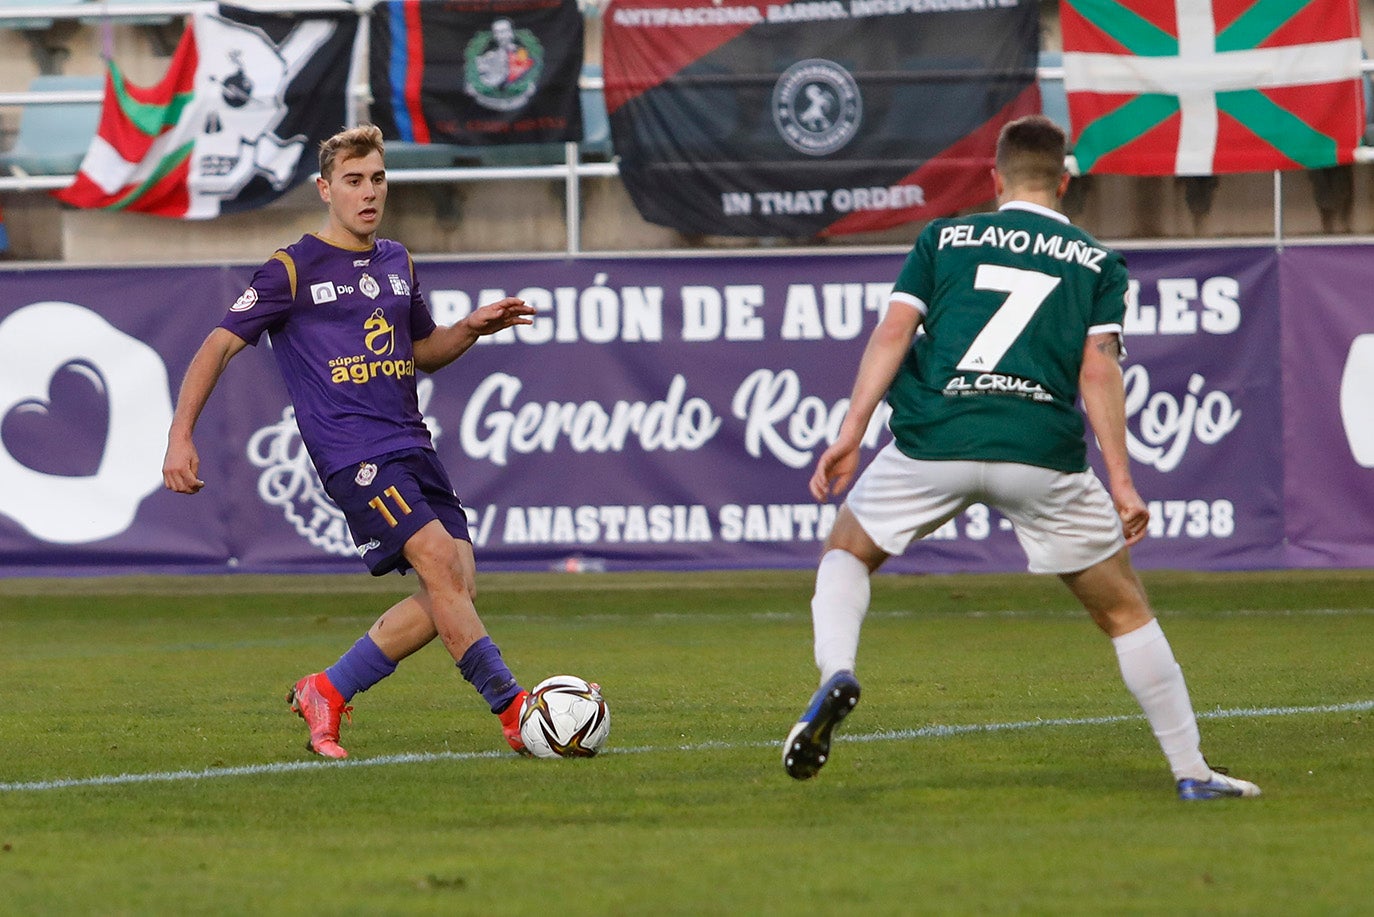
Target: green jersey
{"points": [[1009, 299]]}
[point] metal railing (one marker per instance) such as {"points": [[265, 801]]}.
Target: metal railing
{"points": [[571, 171]]}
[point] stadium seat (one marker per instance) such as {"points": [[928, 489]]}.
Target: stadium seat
{"points": [[401, 154], [53, 138], [31, 24], [156, 19], [596, 142], [404, 154], [521, 154], [1054, 101], [1368, 137], [596, 123]]}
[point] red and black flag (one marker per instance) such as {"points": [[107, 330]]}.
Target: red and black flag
{"points": [[477, 72], [814, 117]]}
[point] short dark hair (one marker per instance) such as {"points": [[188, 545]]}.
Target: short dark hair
{"points": [[353, 143], [1030, 153]]}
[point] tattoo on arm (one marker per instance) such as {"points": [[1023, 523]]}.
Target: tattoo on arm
{"points": [[1110, 346]]}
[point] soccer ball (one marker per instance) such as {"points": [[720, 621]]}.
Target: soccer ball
{"points": [[565, 717]]}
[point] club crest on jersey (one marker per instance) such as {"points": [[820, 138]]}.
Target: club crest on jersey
{"points": [[323, 293], [367, 472], [246, 301], [369, 287]]}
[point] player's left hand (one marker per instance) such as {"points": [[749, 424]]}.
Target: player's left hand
{"points": [[498, 316]]}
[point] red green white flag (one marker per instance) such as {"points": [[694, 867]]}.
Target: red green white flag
{"points": [[1203, 87], [231, 126]]}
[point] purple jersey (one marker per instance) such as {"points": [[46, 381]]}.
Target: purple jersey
{"points": [[342, 324]]}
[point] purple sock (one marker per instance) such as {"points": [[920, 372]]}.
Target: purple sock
{"points": [[360, 668], [482, 665]]}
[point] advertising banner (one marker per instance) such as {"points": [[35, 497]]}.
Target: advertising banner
{"points": [[1203, 416], [1328, 404], [665, 413]]}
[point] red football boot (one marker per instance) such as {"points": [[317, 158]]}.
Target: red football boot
{"points": [[322, 707]]}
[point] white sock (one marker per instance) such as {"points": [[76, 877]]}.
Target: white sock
{"points": [[1154, 677], [837, 610]]}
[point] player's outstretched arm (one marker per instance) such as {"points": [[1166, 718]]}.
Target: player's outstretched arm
{"points": [[1104, 402], [181, 465], [883, 355], [448, 344]]}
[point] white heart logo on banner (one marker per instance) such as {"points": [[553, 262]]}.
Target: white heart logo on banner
{"points": [[37, 343], [1357, 399]]}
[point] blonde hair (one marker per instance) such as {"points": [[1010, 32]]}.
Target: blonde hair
{"points": [[1030, 153], [353, 143]]}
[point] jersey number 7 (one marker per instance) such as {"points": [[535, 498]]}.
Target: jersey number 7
{"points": [[1026, 293]]}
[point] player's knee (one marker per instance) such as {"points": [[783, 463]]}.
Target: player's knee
{"points": [[431, 556]]}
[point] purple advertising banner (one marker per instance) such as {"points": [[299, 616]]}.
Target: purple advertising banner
{"points": [[1203, 406], [1328, 405], [660, 413]]}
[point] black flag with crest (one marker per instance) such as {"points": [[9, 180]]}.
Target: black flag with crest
{"points": [[820, 117], [477, 72]]}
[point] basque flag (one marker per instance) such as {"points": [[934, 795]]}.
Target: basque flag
{"points": [[1202, 87], [233, 124], [818, 117]]}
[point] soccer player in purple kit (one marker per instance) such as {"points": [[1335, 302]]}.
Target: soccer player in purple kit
{"points": [[349, 328]]}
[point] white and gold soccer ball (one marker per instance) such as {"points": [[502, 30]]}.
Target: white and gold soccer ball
{"points": [[565, 717]]}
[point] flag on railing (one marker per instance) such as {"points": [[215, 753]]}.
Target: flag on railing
{"points": [[818, 117], [234, 123], [4, 235], [497, 72], [1200, 87]]}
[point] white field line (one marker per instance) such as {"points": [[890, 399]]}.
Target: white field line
{"points": [[924, 732]]}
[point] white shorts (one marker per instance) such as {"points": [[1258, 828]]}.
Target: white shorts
{"points": [[1065, 522]]}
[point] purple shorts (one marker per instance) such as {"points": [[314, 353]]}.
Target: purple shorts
{"points": [[389, 499]]}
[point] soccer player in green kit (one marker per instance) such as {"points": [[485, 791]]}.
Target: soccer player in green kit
{"points": [[1022, 314]]}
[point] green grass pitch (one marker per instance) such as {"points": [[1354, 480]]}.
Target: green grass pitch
{"points": [[996, 764]]}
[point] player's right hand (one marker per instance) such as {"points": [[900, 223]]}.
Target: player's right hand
{"points": [[834, 470], [181, 468]]}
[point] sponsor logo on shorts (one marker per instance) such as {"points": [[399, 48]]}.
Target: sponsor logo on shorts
{"points": [[364, 548]]}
